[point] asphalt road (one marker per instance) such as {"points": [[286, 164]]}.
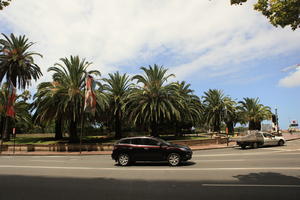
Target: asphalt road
{"points": [[233, 173]]}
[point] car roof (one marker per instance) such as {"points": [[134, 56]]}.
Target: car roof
{"points": [[138, 137]]}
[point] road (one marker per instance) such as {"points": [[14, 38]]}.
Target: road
{"points": [[232, 173]]}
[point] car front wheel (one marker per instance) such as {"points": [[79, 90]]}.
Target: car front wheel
{"points": [[174, 159], [123, 159], [280, 143]]}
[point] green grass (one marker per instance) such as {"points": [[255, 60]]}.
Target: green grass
{"points": [[49, 139]]}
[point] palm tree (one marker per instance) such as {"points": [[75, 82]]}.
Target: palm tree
{"points": [[231, 115], [46, 106], [17, 64], [154, 100], [16, 61], [192, 110], [215, 104], [63, 99], [253, 112], [117, 88]]}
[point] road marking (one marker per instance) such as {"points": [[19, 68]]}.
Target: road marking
{"points": [[236, 154], [249, 185], [237, 160], [59, 161], [149, 169]]}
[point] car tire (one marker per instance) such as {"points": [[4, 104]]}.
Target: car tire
{"points": [[243, 146], [255, 145], [280, 143], [123, 159], [174, 159]]}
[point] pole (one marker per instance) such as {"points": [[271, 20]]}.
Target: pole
{"points": [[82, 124], [14, 136], [277, 125]]}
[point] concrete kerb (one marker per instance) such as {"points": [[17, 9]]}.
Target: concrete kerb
{"points": [[90, 153]]}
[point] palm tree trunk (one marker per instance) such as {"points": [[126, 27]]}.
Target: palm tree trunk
{"points": [[118, 126], [58, 129], [73, 132], [6, 135], [230, 126], [252, 125], [154, 129]]}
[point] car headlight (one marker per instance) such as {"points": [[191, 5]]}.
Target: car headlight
{"points": [[183, 149]]}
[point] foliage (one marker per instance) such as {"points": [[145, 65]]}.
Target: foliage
{"points": [[117, 88], [154, 100], [215, 103], [64, 98], [4, 3], [253, 112], [16, 61], [280, 13]]}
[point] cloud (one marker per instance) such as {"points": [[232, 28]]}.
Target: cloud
{"points": [[292, 80], [198, 35]]}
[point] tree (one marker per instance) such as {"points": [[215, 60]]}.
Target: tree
{"points": [[17, 64], [153, 100], [117, 88], [253, 112], [46, 106], [192, 110], [231, 115], [66, 93], [215, 103], [4, 3], [280, 13]]}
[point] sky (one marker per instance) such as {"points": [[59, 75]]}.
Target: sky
{"points": [[209, 44]]}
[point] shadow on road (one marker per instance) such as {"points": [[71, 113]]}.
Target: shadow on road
{"points": [[153, 164], [48, 188], [268, 178]]}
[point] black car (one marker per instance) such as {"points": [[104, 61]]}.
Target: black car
{"points": [[129, 150]]}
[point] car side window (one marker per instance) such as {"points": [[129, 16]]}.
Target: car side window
{"points": [[137, 141], [150, 142], [126, 141]]}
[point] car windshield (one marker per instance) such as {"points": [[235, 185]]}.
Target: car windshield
{"points": [[163, 141]]}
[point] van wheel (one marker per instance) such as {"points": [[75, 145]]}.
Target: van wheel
{"points": [[280, 143], [123, 159], [254, 145], [174, 159], [243, 146]]}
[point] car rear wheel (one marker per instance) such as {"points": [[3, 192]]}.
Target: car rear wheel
{"points": [[174, 159], [255, 145], [280, 143], [123, 159]]}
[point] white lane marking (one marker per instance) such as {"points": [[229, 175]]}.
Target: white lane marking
{"points": [[237, 160], [249, 185], [150, 169], [59, 161], [235, 154]]}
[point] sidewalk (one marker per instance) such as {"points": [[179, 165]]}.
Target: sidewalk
{"points": [[287, 137]]}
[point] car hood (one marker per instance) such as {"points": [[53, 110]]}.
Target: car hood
{"points": [[180, 146]]}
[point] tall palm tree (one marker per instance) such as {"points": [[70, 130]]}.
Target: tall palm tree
{"points": [[254, 113], [66, 93], [231, 115], [154, 100], [17, 64], [215, 104], [16, 61], [45, 106], [117, 88], [192, 110]]}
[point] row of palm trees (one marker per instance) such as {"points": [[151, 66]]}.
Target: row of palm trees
{"points": [[147, 101]]}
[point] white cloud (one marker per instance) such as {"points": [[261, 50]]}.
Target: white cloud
{"points": [[292, 80], [208, 34]]}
